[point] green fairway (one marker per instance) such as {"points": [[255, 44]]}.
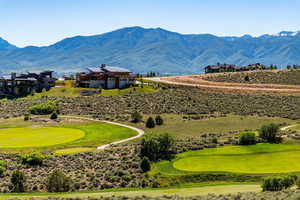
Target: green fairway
{"points": [[64, 137], [37, 137], [255, 159], [183, 192]]}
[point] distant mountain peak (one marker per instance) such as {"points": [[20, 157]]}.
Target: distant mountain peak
{"points": [[4, 45]]}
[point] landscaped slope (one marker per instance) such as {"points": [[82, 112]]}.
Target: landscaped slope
{"points": [[284, 77]]}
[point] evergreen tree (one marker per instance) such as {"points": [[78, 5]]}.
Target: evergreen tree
{"points": [[158, 120], [145, 164], [58, 182], [150, 123]]}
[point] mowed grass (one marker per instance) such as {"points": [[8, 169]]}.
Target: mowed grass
{"points": [[177, 126], [37, 137], [255, 159], [69, 90], [219, 188], [19, 136]]}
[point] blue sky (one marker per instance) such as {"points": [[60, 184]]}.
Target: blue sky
{"points": [[43, 22]]}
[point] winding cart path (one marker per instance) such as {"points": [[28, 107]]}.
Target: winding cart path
{"points": [[139, 131]]}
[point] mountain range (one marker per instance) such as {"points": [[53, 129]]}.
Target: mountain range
{"points": [[154, 49]]}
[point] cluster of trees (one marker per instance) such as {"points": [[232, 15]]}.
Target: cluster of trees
{"points": [[157, 147], [57, 181], [293, 67], [137, 117], [268, 133], [33, 159], [44, 108], [279, 183]]}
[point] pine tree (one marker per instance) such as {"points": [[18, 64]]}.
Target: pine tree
{"points": [[150, 123], [18, 181], [158, 120], [145, 164]]}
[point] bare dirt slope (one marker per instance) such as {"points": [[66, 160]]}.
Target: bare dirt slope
{"points": [[199, 82]]}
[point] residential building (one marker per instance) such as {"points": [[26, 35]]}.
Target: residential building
{"points": [[106, 77]]}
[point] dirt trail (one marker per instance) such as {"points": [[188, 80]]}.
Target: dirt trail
{"points": [[199, 82]]}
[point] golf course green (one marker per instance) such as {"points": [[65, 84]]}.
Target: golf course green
{"points": [[37, 137], [254, 159]]}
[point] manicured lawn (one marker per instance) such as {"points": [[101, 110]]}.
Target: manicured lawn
{"points": [[37, 137], [255, 159], [177, 126], [222, 188], [65, 137], [70, 91]]}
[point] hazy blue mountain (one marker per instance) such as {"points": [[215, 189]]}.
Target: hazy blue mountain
{"points": [[144, 50], [4, 45]]}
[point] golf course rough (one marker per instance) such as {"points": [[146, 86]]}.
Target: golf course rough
{"points": [[38, 137], [255, 159]]}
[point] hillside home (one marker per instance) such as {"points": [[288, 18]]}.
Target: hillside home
{"points": [[233, 68], [24, 84], [106, 77]]}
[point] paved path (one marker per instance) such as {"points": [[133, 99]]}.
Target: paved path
{"points": [[287, 127], [139, 131]]}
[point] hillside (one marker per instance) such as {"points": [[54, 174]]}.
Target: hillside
{"points": [[284, 77], [144, 50]]}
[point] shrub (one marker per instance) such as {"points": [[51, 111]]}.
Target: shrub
{"points": [[150, 123], [159, 121], [2, 166], [26, 117], [33, 159], [157, 147], [57, 181], [136, 117], [44, 108], [277, 183], [18, 180], [54, 115], [145, 164], [247, 138], [270, 133]]}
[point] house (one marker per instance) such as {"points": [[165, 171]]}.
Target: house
{"points": [[106, 77], [222, 68], [24, 84], [233, 68]]}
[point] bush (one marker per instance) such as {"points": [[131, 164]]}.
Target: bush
{"points": [[150, 123], [26, 117], [33, 159], [247, 138], [136, 117], [145, 164], [44, 108], [18, 180], [2, 166], [159, 121], [270, 133], [277, 183], [58, 182], [157, 147], [54, 115]]}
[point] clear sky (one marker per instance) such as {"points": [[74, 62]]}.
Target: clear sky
{"points": [[43, 22]]}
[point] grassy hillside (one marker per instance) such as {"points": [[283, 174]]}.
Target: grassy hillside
{"points": [[192, 125], [285, 77]]}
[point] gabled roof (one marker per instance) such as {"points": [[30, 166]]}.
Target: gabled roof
{"points": [[115, 69], [107, 69]]}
